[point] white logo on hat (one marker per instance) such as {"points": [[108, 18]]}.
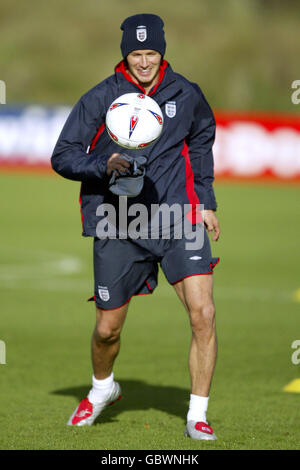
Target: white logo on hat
{"points": [[141, 33]]}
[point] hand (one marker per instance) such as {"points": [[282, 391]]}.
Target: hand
{"points": [[115, 162], [211, 223]]}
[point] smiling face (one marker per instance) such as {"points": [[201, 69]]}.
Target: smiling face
{"points": [[143, 67]]}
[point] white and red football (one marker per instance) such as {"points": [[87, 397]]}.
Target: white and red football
{"points": [[134, 121]]}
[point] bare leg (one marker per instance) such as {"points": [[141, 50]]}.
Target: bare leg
{"points": [[196, 294], [105, 344]]}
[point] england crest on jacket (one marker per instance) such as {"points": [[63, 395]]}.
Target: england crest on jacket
{"points": [[170, 109]]}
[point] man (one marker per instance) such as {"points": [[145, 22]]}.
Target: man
{"points": [[179, 170]]}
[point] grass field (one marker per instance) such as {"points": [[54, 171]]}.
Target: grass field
{"points": [[46, 323]]}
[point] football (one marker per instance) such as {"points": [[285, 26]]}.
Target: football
{"points": [[134, 121]]}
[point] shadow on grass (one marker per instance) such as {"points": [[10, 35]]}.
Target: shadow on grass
{"points": [[138, 395]]}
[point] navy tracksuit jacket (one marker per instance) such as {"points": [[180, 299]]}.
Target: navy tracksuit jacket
{"points": [[180, 163]]}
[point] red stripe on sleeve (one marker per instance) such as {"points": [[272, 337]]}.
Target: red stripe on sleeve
{"points": [[95, 139]]}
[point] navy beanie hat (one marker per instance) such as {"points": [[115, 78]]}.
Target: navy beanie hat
{"points": [[144, 31]]}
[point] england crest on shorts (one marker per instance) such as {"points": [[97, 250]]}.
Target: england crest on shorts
{"points": [[103, 293], [170, 109], [141, 33]]}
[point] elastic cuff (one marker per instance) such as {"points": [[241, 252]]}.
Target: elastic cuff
{"points": [[102, 165]]}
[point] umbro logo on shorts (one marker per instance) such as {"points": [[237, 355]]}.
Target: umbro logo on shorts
{"points": [[195, 257], [103, 293]]}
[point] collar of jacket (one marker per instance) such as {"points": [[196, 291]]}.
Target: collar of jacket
{"points": [[166, 88]]}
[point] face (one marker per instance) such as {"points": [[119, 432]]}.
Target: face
{"points": [[143, 66]]}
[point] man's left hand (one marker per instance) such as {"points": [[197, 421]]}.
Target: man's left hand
{"points": [[211, 223]]}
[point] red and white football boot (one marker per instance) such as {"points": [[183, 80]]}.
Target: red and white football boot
{"points": [[86, 412], [199, 430]]}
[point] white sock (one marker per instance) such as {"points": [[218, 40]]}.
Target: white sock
{"points": [[100, 389], [198, 408]]}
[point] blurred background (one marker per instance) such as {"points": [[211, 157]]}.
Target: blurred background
{"points": [[244, 54]]}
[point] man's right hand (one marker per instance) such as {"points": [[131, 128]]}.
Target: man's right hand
{"points": [[115, 162]]}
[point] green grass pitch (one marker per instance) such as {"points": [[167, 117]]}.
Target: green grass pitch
{"points": [[46, 324]]}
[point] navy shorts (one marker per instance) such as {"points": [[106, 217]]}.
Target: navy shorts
{"points": [[126, 267]]}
